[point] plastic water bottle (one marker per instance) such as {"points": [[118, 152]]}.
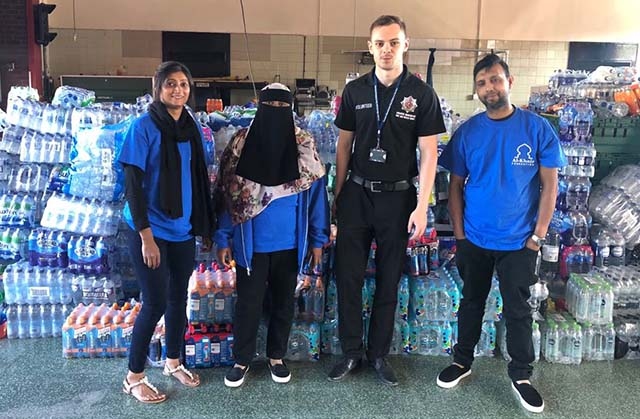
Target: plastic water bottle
{"points": [[12, 321], [86, 285], [331, 308], [10, 285], [35, 321], [617, 248], [97, 288], [46, 320], [56, 320], [23, 321], [549, 263], [402, 308], [62, 254], [76, 289], [600, 242], [536, 337]]}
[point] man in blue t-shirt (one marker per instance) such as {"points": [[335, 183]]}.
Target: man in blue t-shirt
{"points": [[502, 193]]}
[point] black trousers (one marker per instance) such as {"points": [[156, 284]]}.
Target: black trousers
{"points": [[277, 272], [516, 272], [362, 216], [164, 291]]}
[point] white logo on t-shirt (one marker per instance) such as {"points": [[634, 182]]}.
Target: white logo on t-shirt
{"points": [[523, 156]]}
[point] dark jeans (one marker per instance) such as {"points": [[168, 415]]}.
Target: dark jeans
{"points": [[277, 272], [515, 273], [362, 216], [164, 291]]}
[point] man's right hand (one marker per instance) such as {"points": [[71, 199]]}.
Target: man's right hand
{"points": [[224, 256]]}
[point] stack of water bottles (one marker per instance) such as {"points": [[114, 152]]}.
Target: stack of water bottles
{"points": [[210, 312], [590, 299], [433, 305], [625, 282], [567, 248], [38, 298], [615, 203], [563, 340], [612, 91], [320, 125]]}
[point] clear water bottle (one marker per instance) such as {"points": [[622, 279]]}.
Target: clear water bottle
{"points": [[600, 242], [617, 248], [76, 289], [46, 320], [549, 263], [10, 285], [23, 321], [35, 320], [536, 337], [12, 321], [56, 320]]}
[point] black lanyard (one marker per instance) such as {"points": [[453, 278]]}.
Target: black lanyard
{"points": [[386, 114]]}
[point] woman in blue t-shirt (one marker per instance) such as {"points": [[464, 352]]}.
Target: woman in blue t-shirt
{"points": [[168, 203]]}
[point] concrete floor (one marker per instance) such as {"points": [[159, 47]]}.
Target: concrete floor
{"points": [[36, 382]]}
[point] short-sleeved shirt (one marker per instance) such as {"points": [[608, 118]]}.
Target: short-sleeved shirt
{"points": [[141, 148], [501, 160], [415, 112]]}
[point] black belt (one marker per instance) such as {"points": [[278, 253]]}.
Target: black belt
{"points": [[379, 185]]}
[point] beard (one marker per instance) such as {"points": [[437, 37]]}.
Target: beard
{"points": [[499, 103]]}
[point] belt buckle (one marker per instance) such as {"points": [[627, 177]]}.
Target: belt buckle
{"points": [[373, 184]]}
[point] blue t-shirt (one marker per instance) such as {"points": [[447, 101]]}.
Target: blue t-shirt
{"points": [[500, 160], [141, 148], [274, 229]]}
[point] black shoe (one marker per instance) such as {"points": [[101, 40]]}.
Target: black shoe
{"points": [[451, 376], [279, 372], [529, 397], [344, 367], [235, 376], [384, 371]]}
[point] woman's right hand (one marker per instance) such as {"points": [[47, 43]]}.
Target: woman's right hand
{"points": [[225, 257], [150, 250]]}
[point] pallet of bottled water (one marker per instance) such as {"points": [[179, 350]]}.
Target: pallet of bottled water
{"points": [[625, 281], [566, 341], [590, 298]]}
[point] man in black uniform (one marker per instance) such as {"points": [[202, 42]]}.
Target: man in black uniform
{"points": [[384, 115]]}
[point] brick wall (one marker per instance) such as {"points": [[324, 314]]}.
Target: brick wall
{"points": [[13, 46]]}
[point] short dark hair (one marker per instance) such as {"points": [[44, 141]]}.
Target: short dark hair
{"points": [[163, 71], [386, 20], [489, 61]]}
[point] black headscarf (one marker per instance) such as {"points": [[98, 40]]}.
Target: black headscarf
{"points": [[172, 132], [270, 153]]}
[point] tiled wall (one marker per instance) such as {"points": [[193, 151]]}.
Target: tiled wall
{"points": [[291, 57]]}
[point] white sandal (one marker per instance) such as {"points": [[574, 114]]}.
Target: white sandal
{"points": [[195, 379], [127, 388]]}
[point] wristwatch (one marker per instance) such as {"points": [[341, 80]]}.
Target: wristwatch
{"points": [[539, 241]]}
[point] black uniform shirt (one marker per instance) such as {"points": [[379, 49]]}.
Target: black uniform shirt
{"points": [[415, 112]]}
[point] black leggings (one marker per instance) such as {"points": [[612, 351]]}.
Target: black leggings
{"points": [[164, 291]]}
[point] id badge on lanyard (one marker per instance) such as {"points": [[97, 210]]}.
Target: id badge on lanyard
{"points": [[377, 154]]}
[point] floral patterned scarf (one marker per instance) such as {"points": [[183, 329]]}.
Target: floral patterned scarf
{"points": [[245, 199]]}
